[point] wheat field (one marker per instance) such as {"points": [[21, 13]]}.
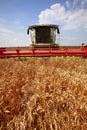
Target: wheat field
{"points": [[43, 94]]}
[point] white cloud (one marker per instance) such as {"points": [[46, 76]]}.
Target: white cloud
{"points": [[67, 19], [55, 14], [75, 4], [76, 19]]}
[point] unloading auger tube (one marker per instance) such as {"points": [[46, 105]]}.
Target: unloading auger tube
{"points": [[43, 44]]}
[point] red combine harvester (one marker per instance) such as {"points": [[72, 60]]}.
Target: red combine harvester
{"points": [[43, 39]]}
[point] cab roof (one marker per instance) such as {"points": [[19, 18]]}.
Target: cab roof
{"points": [[43, 25]]}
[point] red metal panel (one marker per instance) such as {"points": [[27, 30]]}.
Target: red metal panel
{"points": [[45, 52]]}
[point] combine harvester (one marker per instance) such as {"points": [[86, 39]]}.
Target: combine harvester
{"points": [[43, 39]]}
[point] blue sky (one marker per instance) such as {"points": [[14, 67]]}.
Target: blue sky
{"points": [[17, 15]]}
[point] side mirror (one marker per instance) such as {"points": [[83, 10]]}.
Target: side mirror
{"points": [[28, 31], [58, 31]]}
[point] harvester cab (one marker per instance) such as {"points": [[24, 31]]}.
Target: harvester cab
{"points": [[43, 34]]}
